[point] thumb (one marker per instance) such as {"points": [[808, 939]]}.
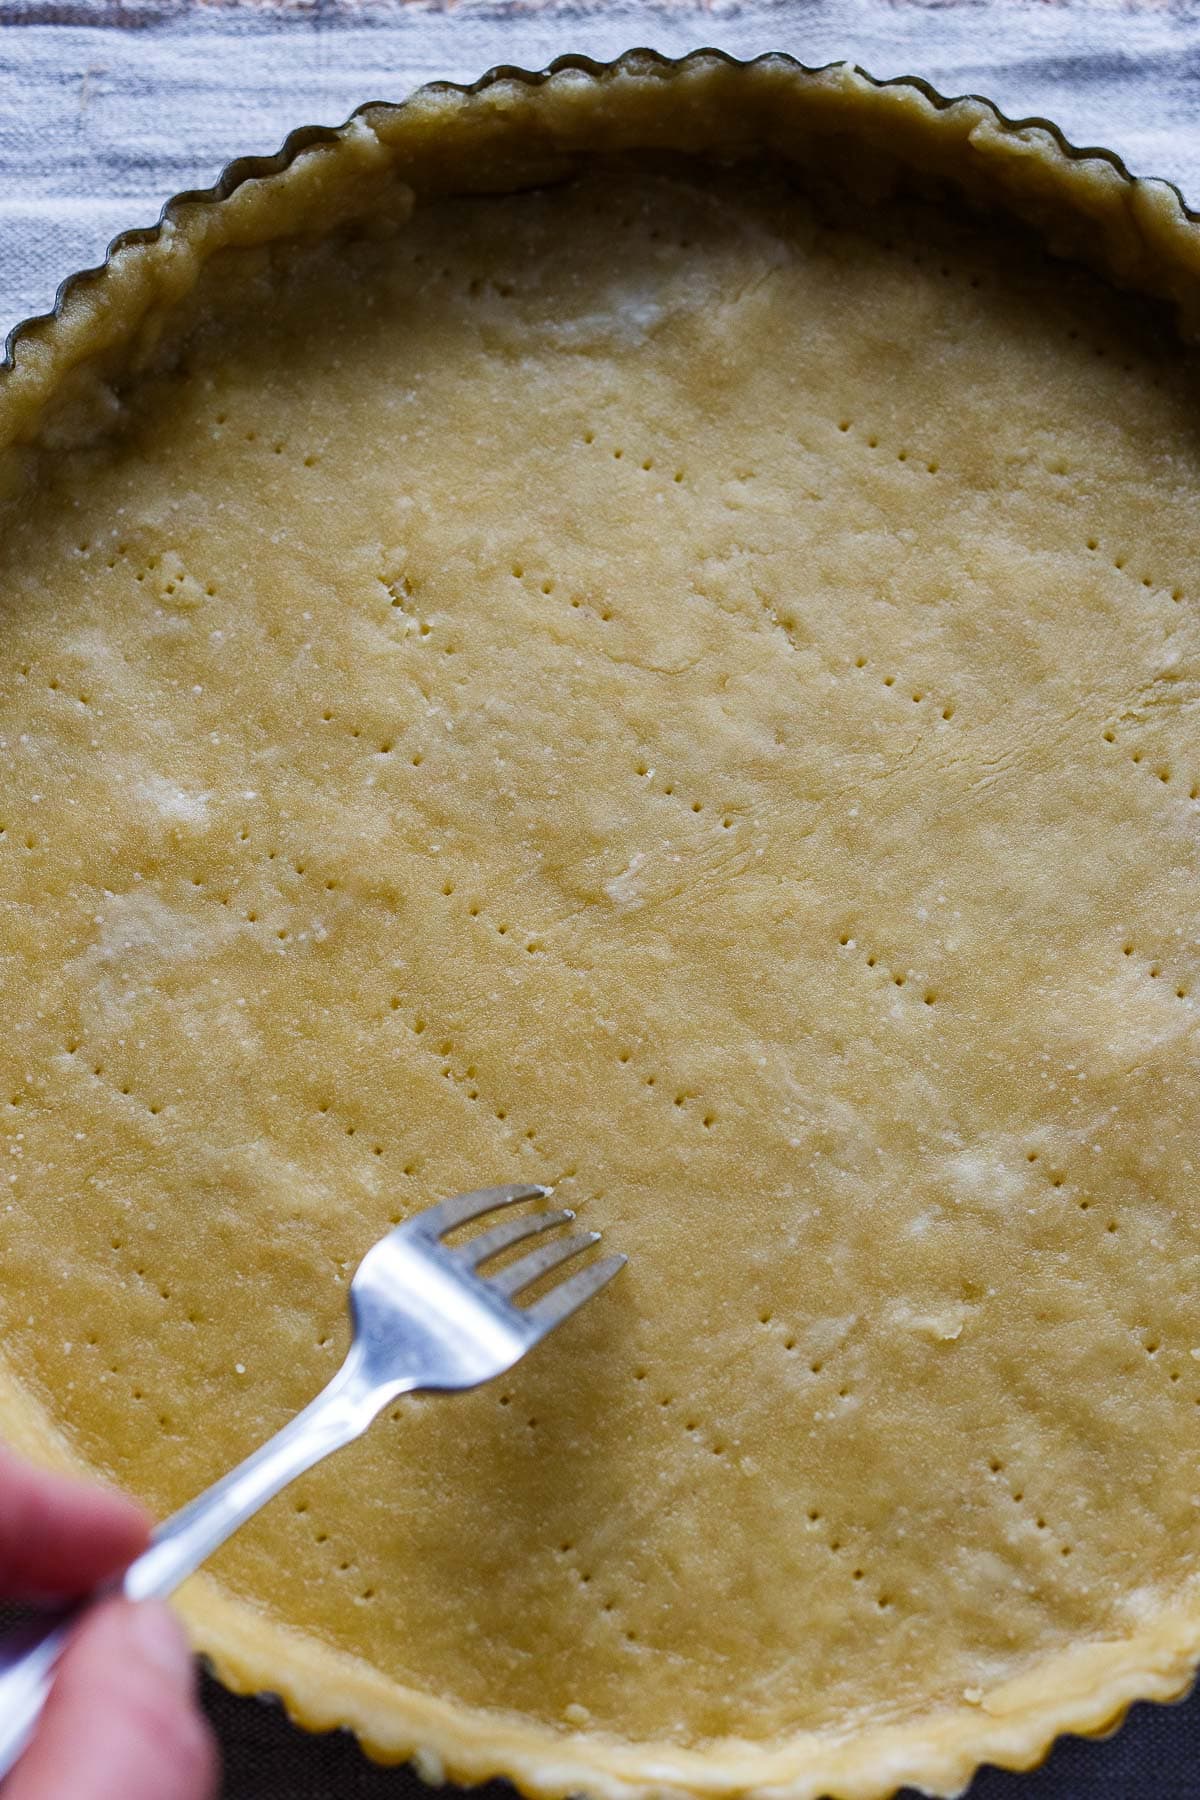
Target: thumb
{"points": [[121, 1722]]}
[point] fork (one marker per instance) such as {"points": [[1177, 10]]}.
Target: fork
{"points": [[424, 1314]]}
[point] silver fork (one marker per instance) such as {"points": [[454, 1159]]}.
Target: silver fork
{"points": [[423, 1315]]}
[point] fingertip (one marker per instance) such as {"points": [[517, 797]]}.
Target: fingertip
{"points": [[160, 1641], [61, 1536], [122, 1721], [121, 1522]]}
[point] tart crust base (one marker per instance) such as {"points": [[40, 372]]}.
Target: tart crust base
{"points": [[524, 133], [1085, 1693]]}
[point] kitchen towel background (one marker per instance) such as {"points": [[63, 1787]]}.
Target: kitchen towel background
{"points": [[107, 107]]}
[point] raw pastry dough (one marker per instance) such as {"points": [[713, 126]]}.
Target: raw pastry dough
{"points": [[677, 680]]}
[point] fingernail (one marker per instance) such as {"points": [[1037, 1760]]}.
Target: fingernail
{"points": [[159, 1639]]}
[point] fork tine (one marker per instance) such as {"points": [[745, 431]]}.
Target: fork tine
{"points": [[461, 1207], [571, 1294], [518, 1275], [509, 1231]]}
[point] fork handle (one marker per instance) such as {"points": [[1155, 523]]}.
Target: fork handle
{"points": [[28, 1657], [340, 1413]]}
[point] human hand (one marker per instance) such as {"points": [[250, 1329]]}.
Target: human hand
{"points": [[121, 1722]]}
